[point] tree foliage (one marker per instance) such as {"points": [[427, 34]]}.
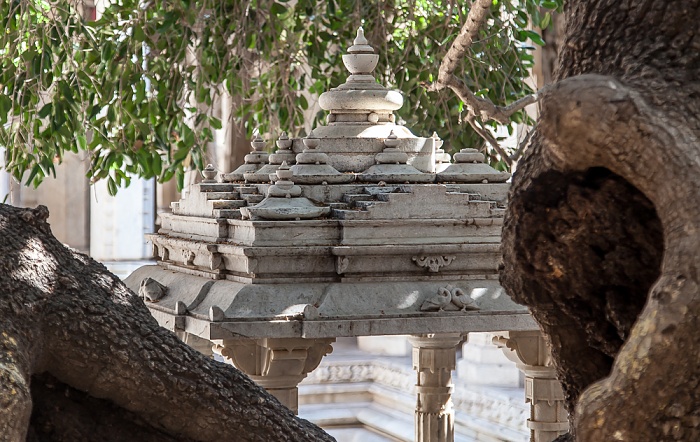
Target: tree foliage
{"points": [[135, 88]]}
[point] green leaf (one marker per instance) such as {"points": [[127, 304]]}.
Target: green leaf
{"points": [[45, 110], [111, 186], [278, 9], [35, 170], [546, 20], [81, 141], [215, 123]]}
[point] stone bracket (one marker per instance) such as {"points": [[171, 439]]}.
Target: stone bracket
{"points": [[276, 364]]}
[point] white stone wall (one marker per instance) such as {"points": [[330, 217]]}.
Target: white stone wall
{"points": [[118, 223]]}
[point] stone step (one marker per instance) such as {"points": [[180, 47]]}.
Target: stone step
{"points": [[342, 213], [338, 206], [227, 204], [364, 205], [350, 198], [384, 196], [252, 199], [227, 213], [248, 190], [217, 187], [375, 190], [222, 195]]}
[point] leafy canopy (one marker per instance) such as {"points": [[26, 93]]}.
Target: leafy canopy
{"points": [[134, 89]]}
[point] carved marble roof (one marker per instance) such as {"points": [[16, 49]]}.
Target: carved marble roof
{"points": [[361, 228]]}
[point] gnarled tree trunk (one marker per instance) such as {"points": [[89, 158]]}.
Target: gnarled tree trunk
{"points": [[81, 358], [602, 235]]}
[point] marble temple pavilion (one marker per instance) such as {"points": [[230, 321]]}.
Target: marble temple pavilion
{"points": [[360, 229]]}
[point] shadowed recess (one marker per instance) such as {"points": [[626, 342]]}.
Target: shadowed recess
{"points": [[589, 247]]}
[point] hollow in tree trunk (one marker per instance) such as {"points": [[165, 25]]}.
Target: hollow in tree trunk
{"points": [[602, 234]]}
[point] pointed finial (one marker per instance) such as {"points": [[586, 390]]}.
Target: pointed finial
{"points": [[437, 141], [283, 142], [360, 39], [258, 143], [311, 141], [360, 45], [391, 141], [284, 173]]}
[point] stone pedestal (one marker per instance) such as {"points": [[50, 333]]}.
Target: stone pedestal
{"points": [[434, 358], [276, 364], [548, 418]]}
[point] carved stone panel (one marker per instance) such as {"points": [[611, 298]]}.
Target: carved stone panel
{"points": [[433, 263]]}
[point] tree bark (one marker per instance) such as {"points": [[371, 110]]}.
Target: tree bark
{"points": [[82, 359], [602, 235]]}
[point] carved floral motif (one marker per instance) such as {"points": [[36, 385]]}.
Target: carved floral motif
{"points": [[433, 262]]}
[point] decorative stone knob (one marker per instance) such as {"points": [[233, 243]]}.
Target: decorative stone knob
{"points": [[311, 141], [284, 172], [437, 141], [392, 140], [209, 174], [284, 186], [283, 142], [258, 143]]}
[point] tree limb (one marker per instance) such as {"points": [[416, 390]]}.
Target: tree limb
{"points": [[486, 135], [65, 315], [484, 108]]}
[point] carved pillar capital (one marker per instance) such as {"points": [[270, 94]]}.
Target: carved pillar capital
{"points": [[434, 358], [276, 364], [530, 352]]}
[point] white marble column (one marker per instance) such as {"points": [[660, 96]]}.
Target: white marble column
{"points": [[548, 417], [276, 364], [434, 358]]}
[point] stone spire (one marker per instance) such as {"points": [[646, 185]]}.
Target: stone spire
{"points": [[312, 166], [392, 166], [469, 167], [442, 158], [267, 173], [253, 161], [284, 201], [360, 99]]}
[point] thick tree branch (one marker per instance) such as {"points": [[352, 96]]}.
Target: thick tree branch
{"points": [[476, 106], [64, 314]]}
